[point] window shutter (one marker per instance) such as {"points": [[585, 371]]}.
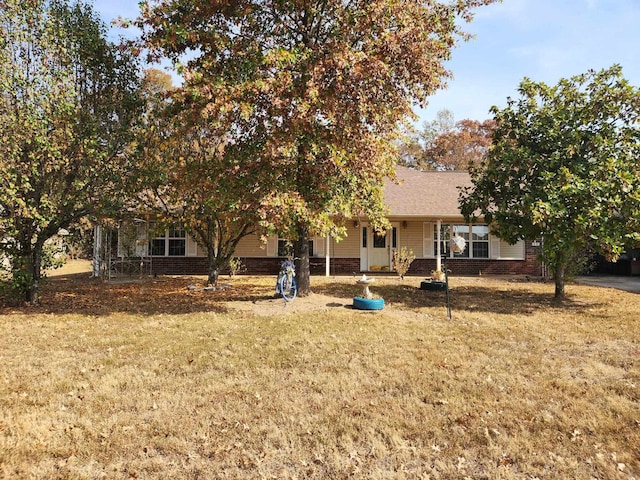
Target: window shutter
{"points": [[142, 244], [318, 246], [192, 247], [120, 249], [427, 240], [512, 252], [272, 246], [494, 246]]}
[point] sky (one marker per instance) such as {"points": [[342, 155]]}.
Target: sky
{"points": [[544, 40]]}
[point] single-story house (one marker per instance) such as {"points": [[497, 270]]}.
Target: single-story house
{"points": [[423, 211]]}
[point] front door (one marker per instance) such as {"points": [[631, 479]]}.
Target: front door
{"points": [[377, 249], [379, 253]]}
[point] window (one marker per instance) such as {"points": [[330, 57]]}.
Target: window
{"points": [[444, 239], [476, 236], [379, 240], [364, 237], [285, 248], [480, 241], [157, 246], [462, 231], [171, 242], [177, 242]]}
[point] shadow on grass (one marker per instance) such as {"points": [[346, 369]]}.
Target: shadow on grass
{"points": [[78, 294], [483, 298]]}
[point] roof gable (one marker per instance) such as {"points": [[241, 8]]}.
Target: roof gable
{"points": [[425, 194]]}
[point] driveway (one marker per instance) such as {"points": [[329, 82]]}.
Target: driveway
{"points": [[629, 284]]}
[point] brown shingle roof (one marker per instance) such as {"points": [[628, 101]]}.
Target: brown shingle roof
{"points": [[425, 194]]}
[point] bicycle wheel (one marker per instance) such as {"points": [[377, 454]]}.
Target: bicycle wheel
{"points": [[288, 287]]}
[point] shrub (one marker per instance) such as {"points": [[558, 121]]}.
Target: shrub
{"points": [[16, 279], [402, 260], [235, 266]]}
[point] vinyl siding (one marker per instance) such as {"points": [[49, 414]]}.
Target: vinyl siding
{"points": [[411, 237], [251, 246], [349, 246]]}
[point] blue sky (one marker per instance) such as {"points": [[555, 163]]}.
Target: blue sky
{"points": [[544, 40]]}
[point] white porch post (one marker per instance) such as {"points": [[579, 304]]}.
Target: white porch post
{"points": [[327, 256], [439, 246], [97, 246]]}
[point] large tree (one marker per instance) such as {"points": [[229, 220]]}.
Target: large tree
{"points": [[194, 175], [68, 98], [317, 89], [564, 168], [465, 145], [444, 144]]}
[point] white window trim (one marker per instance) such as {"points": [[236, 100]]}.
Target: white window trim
{"points": [[431, 252], [167, 238]]}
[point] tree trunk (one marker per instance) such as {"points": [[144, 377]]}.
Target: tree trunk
{"points": [[559, 276], [212, 278], [214, 272], [301, 252], [33, 267]]}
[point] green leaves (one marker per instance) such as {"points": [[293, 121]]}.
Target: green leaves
{"points": [[312, 92], [68, 102], [316, 89], [563, 166]]}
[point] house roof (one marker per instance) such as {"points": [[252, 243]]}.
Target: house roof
{"points": [[425, 194]]}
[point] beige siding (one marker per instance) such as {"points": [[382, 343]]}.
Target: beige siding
{"points": [[251, 246], [348, 247], [411, 237]]}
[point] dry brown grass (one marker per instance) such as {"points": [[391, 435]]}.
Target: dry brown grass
{"points": [[149, 380]]}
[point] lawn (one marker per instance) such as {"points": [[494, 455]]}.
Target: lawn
{"points": [[151, 380]]}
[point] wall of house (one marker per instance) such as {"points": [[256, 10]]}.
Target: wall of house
{"points": [[251, 246], [480, 266], [350, 266], [349, 246], [261, 259], [411, 237]]}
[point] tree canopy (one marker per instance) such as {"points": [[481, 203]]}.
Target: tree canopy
{"points": [[192, 175], [68, 99], [563, 168], [444, 144], [314, 89]]}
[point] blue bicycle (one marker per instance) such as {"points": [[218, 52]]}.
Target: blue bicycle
{"points": [[286, 282]]}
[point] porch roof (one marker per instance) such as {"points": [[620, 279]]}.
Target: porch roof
{"points": [[425, 194]]}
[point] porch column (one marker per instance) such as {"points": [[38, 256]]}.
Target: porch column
{"points": [[439, 246], [327, 255], [97, 246]]}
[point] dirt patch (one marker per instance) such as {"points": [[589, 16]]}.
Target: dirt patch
{"points": [[278, 306]]}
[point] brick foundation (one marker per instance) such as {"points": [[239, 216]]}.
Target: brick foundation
{"points": [[350, 266]]}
